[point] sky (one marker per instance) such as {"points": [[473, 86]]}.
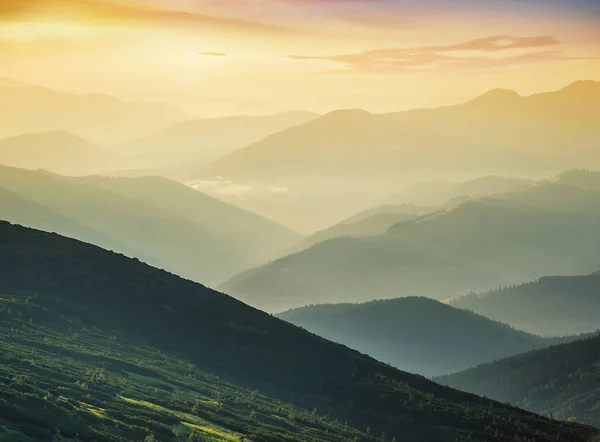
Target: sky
{"points": [[218, 57]]}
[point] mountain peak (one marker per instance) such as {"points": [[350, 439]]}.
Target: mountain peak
{"points": [[48, 136], [496, 96], [583, 86]]}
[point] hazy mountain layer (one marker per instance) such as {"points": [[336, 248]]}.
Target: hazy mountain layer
{"points": [[418, 335], [478, 245], [348, 160], [157, 220], [557, 305], [111, 348], [178, 151], [498, 131], [59, 152], [371, 222], [438, 192], [585, 179], [99, 118]]}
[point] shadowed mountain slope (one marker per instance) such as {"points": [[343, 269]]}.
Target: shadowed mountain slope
{"points": [[418, 335], [63, 297], [561, 381]]}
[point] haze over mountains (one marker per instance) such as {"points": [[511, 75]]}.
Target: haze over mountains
{"points": [[157, 220], [186, 146], [57, 151], [99, 118], [362, 156], [418, 335], [543, 229], [552, 305], [64, 288], [471, 137], [371, 222], [439, 192]]}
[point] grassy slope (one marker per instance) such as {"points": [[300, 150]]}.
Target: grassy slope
{"points": [[84, 329]]}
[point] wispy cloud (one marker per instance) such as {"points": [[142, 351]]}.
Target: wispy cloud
{"points": [[213, 54], [485, 53], [132, 13]]}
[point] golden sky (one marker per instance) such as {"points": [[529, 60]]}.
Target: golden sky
{"points": [[215, 57]]}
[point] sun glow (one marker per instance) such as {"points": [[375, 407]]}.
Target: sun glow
{"points": [[31, 30]]}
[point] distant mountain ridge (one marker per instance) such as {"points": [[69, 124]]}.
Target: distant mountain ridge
{"points": [[418, 335], [438, 192], [516, 133], [57, 151], [365, 157], [157, 220], [552, 305], [177, 151], [100, 118], [545, 228], [371, 222]]}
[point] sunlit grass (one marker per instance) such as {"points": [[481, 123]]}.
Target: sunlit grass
{"points": [[146, 404], [211, 431], [96, 411]]}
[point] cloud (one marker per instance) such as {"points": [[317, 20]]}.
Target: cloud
{"points": [[221, 187], [121, 11], [496, 51], [213, 54], [278, 190]]}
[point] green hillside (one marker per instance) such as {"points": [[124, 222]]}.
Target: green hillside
{"points": [[97, 346], [561, 381]]}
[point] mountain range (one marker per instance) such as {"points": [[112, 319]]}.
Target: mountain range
{"points": [[179, 150], [363, 158], [545, 228], [498, 131], [370, 222], [156, 220], [552, 305], [105, 347], [439, 192], [57, 151], [418, 335], [99, 118]]}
